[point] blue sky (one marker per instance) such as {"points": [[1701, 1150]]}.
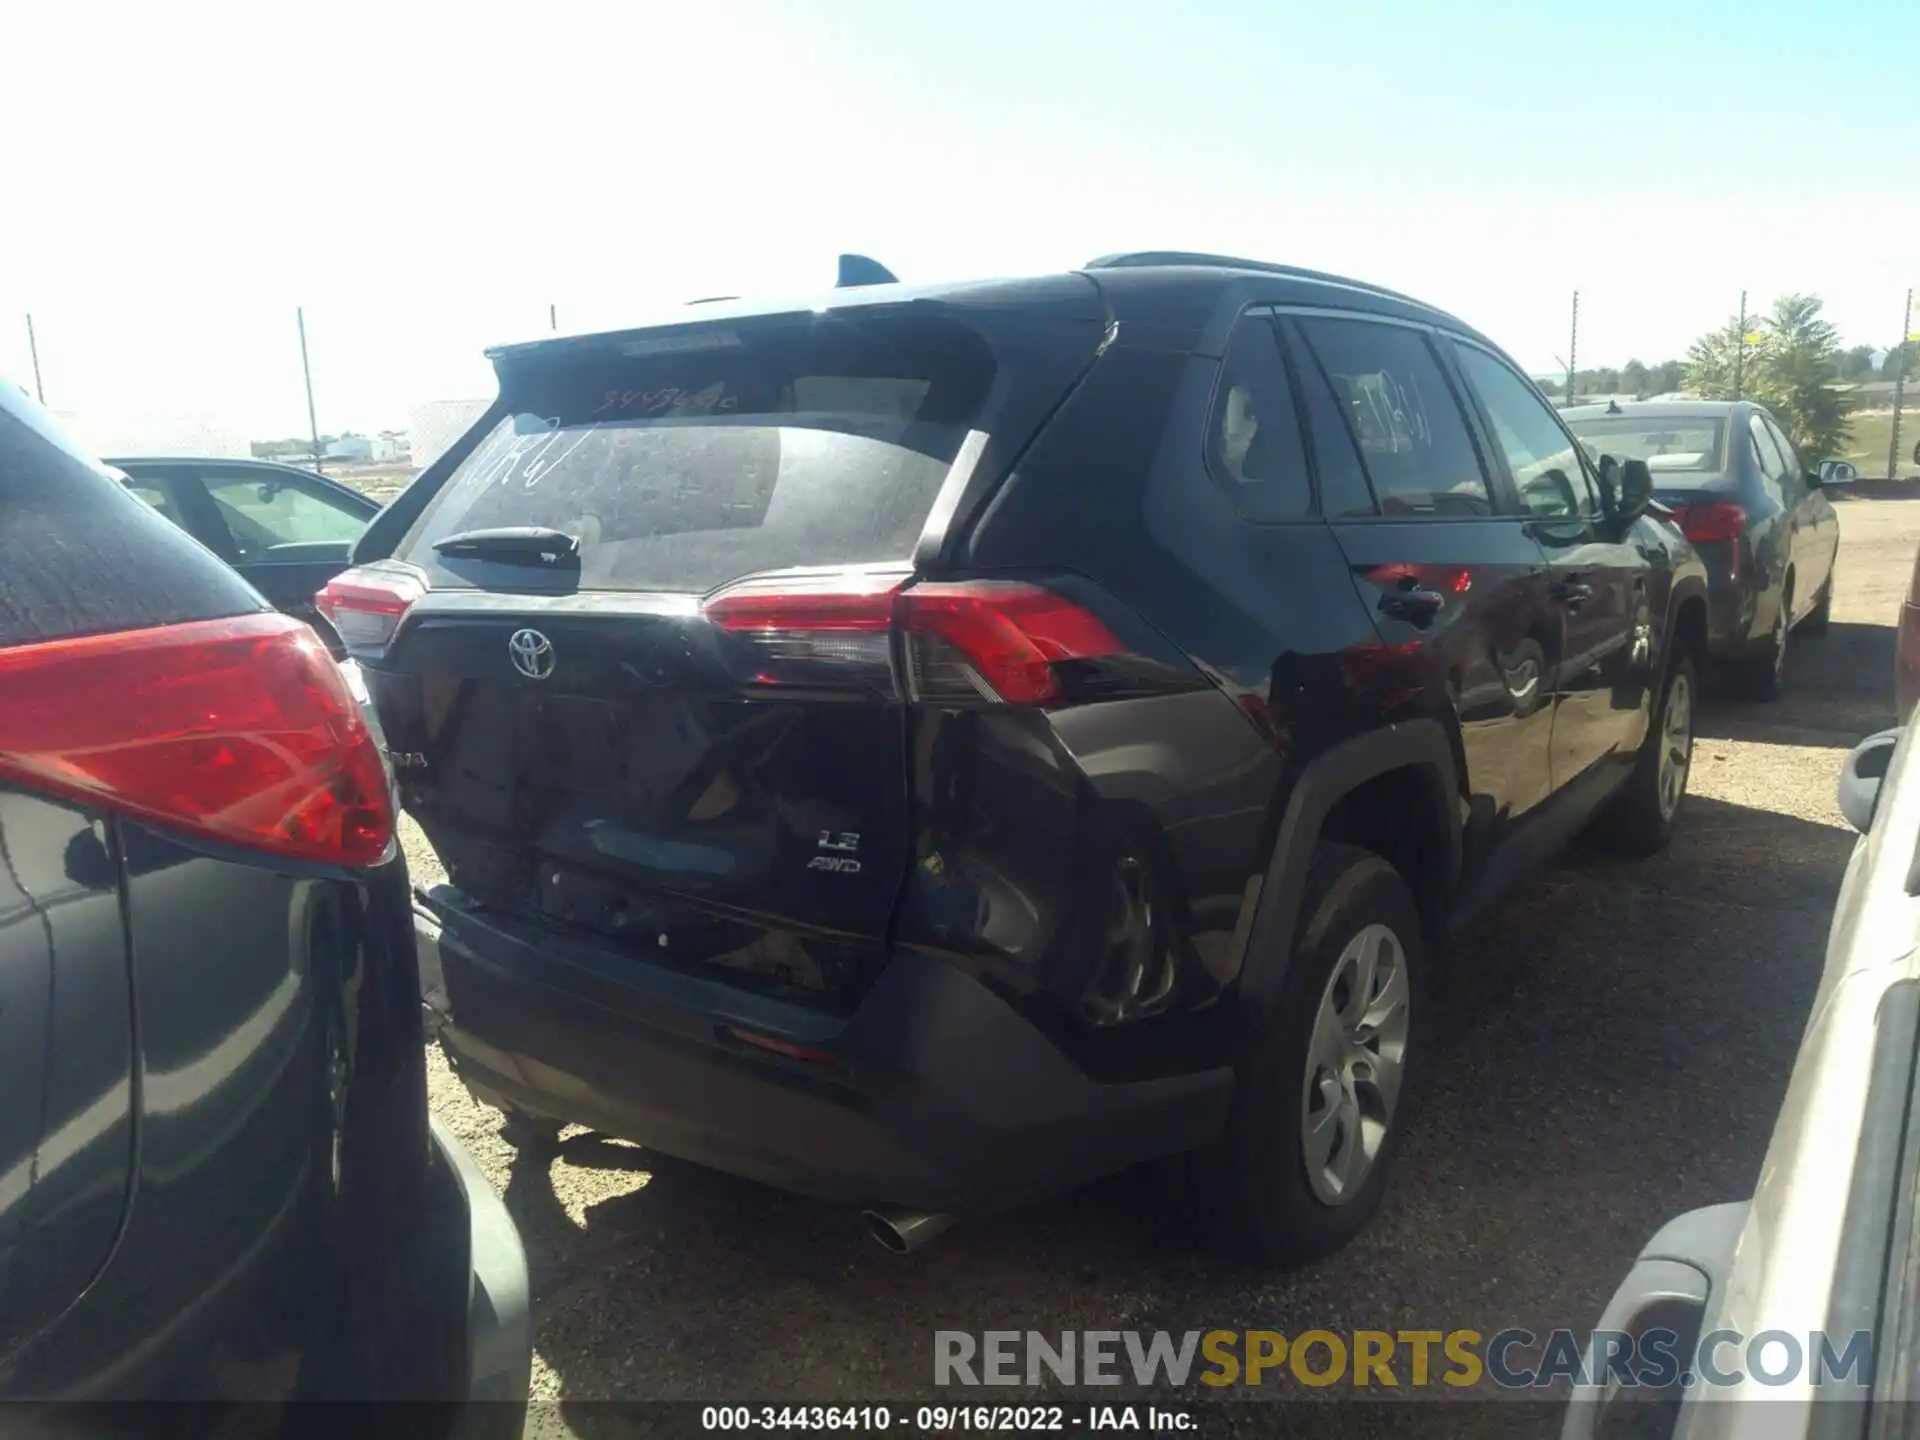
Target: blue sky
{"points": [[425, 186]]}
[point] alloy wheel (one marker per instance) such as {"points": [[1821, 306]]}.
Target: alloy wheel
{"points": [[1676, 743], [1356, 1061]]}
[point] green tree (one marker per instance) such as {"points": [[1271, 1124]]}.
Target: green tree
{"points": [[1799, 361], [1789, 367], [1898, 358], [1668, 376], [1857, 363], [1633, 377], [1713, 366]]}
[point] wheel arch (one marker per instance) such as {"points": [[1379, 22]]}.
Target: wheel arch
{"points": [[1333, 798], [1688, 626]]}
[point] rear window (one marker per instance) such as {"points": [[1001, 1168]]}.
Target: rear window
{"points": [[80, 553], [683, 462], [1674, 448]]}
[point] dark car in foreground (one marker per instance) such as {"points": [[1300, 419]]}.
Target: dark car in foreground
{"points": [[927, 747], [1791, 1314], [1752, 508], [218, 1178], [287, 531]]}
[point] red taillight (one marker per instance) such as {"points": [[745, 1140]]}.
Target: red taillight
{"points": [[1713, 520], [240, 730], [365, 606], [979, 640], [1004, 635]]}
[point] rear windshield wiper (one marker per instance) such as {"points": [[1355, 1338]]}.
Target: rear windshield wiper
{"points": [[514, 544]]}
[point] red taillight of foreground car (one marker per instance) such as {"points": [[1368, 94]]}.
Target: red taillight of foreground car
{"points": [[239, 730], [974, 640], [1712, 520], [1004, 636], [365, 607]]}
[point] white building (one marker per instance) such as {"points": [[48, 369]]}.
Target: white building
{"points": [[350, 447]]}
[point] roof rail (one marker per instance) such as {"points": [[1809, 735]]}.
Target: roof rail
{"points": [[1138, 259]]}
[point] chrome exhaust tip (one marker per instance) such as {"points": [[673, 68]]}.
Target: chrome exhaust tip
{"points": [[904, 1231]]}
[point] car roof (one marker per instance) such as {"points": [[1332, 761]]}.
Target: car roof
{"points": [[1175, 297], [1660, 410]]}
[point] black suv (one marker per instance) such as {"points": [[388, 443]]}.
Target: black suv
{"points": [[933, 746]]}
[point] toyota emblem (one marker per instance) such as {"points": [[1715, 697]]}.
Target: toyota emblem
{"points": [[531, 653]]}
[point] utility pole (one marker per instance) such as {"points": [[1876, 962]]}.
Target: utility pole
{"points": [[1573, 348], [1740, 350], [553, 317], [313, 425], [33, 348], [1899, 388]]}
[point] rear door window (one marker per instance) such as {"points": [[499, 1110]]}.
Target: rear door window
{"points": [[683, 462], [1403, 416], [156, 494], [80, 553]]}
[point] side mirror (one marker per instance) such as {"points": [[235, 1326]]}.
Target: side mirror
{"points": [[1834, 472], [1860, 776], [1635, 490]]}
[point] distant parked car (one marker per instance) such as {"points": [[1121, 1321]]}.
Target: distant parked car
{"points": [[1826, 1246], [286, 531], [1751, 507], [829, 799]]}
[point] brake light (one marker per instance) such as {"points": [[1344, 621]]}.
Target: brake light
{"points": [[976, 640], [1712, 520], [365, 606], [996, 640], [239, 730]]}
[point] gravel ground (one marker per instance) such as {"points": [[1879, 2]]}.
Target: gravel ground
{"points": [[1616, 1039]]}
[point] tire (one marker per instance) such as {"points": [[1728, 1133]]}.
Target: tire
{"points": [[1641, 819], [1263, 1199], [1821, 615]]}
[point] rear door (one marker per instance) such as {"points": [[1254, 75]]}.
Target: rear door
{"points": [[1600, 578], [648, 691], [1777, 533], [1816, 527], [1444, 568]]}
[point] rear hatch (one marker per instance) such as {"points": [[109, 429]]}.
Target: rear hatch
{"points": [[639, 659]]}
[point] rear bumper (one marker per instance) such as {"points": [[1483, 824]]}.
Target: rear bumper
{"points": [[937, 1095], [1734, 622]]}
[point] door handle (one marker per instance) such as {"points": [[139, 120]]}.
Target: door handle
{"points": [[1416, 607], [1572, 593]]}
